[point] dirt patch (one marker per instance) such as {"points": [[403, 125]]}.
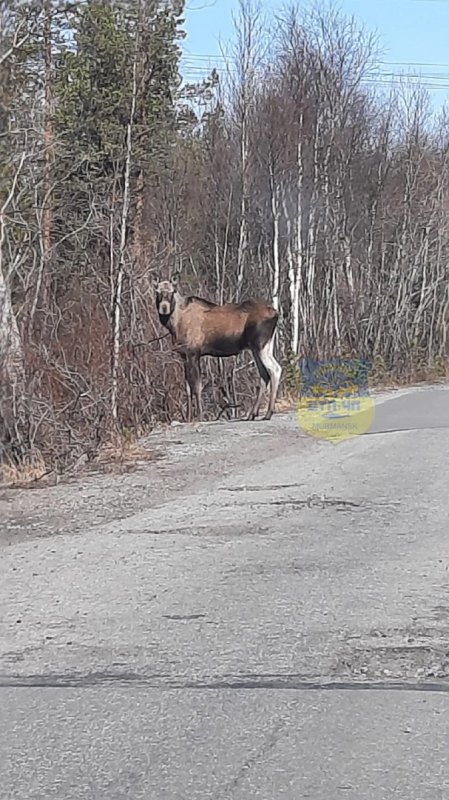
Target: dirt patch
{"points": [[415, 652]]}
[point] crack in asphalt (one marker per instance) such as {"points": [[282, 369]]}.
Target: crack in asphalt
{"points": [[312, 501], [273, 487], [163, 682], [405, 430]]}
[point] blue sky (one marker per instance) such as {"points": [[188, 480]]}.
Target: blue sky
{"points": [[409, 31]]}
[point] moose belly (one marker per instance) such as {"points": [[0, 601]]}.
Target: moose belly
{"points": [[224, 346]]}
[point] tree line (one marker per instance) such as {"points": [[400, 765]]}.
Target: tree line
{"points": [[287, 175]]}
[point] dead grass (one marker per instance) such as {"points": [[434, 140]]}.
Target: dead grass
{"points": [[31, 470], [121, 455], [118, 455]]}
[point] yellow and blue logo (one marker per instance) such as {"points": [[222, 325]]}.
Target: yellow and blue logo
{"points": [[335, 402]]}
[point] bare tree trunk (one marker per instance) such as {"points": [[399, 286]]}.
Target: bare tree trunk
{"points": [[49, 144], [139, 255], [243, 232], [225, 250], [312, 322], [295, 284], [248, 45], [44, 210], [275, 210], [12, 372], [11, 348], [117, 301]]}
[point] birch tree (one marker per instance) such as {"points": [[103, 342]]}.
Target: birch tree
{"points": [[247, 60]]}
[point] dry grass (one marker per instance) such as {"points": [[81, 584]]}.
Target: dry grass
{"points": [[118, 455], [121, 454], [31, 471]]}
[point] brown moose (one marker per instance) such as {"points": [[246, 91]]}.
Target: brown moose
{"points": [[201, 328]]}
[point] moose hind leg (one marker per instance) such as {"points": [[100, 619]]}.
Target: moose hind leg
{"points": [[189, 401], [275, 371], [264, 381]]}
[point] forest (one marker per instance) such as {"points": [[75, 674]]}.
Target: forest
{"points": [[288, 174]]}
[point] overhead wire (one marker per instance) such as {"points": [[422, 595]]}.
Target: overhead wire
{"points": [[197, 66]]}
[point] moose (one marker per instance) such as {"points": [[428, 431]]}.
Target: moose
{"points": [[199, 328]]}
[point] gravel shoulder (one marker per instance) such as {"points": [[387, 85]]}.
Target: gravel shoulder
{"points": [[187, 458]]}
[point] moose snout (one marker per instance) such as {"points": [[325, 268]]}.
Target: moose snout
{"points": [[164, 308]]}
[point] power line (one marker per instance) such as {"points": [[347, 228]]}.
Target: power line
{"points": [[416, 64], [195, 68], [217, 57]]}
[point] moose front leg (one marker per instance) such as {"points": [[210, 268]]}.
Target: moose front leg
{"points": [[187, 384], [193, 378]]}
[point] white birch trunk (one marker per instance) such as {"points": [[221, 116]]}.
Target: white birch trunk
{"points": [[311, 317], [299, 254], [12, 371], [243, 233], [275, 210], [11, 346], [117, 300]]}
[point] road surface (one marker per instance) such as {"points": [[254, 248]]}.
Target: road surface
{"points": [[254, 614]]}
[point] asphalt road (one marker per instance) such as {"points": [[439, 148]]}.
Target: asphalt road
{"points": [[274, 623]]}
